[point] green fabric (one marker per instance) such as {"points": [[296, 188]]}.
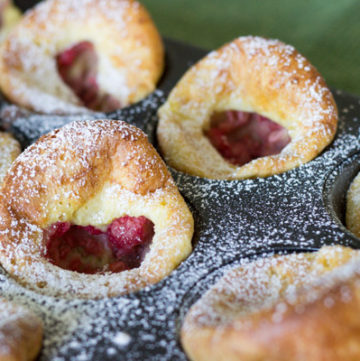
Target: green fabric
{"points": [[327, 32]]}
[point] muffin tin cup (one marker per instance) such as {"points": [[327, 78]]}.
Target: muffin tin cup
{"points": [[296, 211]]}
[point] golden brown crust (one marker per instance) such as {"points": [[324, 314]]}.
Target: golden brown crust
{"points": [[249, 74], [90, 173], [9, 150], [287, 309], [128, 45], [109, 150], [21, 333], [353, 207], [9, 15]]}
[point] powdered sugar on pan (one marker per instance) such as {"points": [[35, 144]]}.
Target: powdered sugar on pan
{"points": [[233, 220], [28, 127], [121, 339]]}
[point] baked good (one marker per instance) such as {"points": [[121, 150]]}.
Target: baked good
{"points": [[70, 56], [253, 108], [9, 16], [20, 333], [90, 210], [295, 307], [352, 215], [9, 150]]}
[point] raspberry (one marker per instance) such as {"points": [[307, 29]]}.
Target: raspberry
{"points": [[92, 230], [77, 67], [128, 232], [59, 228], [90, 250], [241, 136]]}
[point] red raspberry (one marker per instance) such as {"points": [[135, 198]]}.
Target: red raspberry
{"points": [[77, 67], [241, 136], [88, 249], [127, 232]]}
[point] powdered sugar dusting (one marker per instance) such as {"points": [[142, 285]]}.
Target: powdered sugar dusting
{"points": [[9, 150], [90, 173], [274, 283], [81, 9], [233, 220]]}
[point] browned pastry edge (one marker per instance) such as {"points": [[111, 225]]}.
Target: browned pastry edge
{"points": [[21, 333], [352, 214], [9, 150], [10, 15], [321, 324]]}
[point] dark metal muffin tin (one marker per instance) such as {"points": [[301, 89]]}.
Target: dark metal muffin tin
{"points": [[299, 210]]}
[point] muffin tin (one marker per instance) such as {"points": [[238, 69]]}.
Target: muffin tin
{"points": [[299, 210]]}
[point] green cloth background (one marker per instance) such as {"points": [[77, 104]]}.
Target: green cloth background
{"points": [[326, 32]]}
